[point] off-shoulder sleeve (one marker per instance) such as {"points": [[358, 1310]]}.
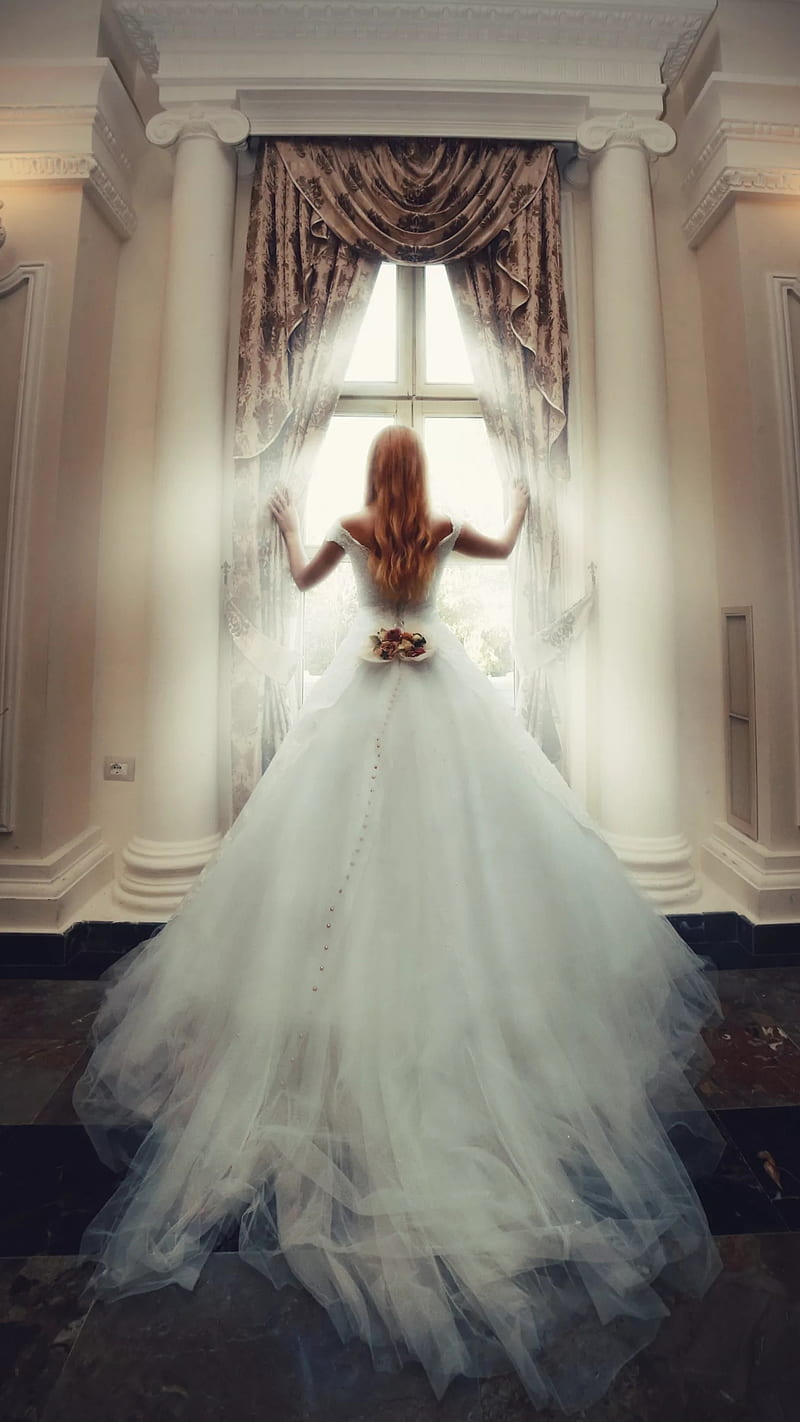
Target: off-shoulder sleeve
{"points": [[449, 539], [336, 534]]}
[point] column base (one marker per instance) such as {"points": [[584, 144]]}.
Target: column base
{"points": [[766, 882], [42, 894], [660, 866], [158, 874]]}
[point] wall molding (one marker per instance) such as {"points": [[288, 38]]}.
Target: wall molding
{"points": [[766, 882], [501, 113], [42, 894], [72, 168], [32, 276], [734, 182], [224, 48], [785, 290], [87, 947], [71, 116], [72, 123], [152, 24], [741, 136], [738, 129]]}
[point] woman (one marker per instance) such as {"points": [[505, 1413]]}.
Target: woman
{"points": [[414, 1029]]}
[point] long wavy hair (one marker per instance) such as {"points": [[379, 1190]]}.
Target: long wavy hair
{"points": [[405, 554]]}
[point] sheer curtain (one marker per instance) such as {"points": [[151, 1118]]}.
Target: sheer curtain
{"points": [[510, 299], [324, 214], [305, 294]]}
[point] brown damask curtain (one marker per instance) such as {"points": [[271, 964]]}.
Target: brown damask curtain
{"points": [[489, 210], [522, 384], [305, 293], [421, 200]]}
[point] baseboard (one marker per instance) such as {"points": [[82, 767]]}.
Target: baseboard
{"points": [[85, 950], [766, 882], [37, 896], [730, 940]]}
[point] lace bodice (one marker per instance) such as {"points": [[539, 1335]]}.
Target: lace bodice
{"points": [[373, 599]]}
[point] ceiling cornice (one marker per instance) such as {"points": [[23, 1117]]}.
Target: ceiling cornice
{"points": [[665, 30]]}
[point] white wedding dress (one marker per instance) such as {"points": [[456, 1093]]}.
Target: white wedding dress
{"points": [[416, 1032]]}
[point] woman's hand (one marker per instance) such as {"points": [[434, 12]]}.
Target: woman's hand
{"points": [[284, 512], [477, 545], [520, 498]]}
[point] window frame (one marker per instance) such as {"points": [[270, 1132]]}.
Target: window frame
{"points": [[411, 390]]}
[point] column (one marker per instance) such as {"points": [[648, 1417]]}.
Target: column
{"points": [[637, 703], [179, 818]]}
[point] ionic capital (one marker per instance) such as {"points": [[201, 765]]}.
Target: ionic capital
{"points": [[229, 126], [625, 131]]}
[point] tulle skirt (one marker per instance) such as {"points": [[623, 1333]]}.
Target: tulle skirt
{"points": [[418, 1035]]}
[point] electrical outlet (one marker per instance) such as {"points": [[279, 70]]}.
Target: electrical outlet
{"points": [[115, 768]]}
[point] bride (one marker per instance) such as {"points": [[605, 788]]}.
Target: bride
{"points": [[413, 1031]]}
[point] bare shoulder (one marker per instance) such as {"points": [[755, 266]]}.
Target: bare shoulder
{"points": [[360, 524], [441, 525]]}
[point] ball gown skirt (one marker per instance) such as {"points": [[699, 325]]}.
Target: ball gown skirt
{"points": [[417, 1033]]}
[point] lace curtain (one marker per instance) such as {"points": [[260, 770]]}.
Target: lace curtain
{"points": [[323, 216], [510, 300], [305, 293]]}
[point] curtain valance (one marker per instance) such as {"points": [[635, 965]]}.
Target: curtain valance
{"points": [[411, 201], [415, 200]]}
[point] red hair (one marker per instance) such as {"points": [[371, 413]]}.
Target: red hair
{"points": [[397, 485]]}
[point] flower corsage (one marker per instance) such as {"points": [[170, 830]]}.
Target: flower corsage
{"points": [[396, 644]]}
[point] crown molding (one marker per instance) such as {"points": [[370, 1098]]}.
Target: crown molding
{"points": [[734, 182], [72, 123], [72, 168], [740, 130], [357, 111], [741, 135], [251, 41]]}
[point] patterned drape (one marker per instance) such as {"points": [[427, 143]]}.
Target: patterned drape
{"points": [[323, 216], [520, 366], [305, 293]]}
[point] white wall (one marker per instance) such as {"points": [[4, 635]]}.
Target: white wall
{"points": [[123, 601], [698, 651]]}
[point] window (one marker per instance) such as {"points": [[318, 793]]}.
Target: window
{"points": [[410, 365]]}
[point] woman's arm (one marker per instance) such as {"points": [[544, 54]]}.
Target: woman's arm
{"points": [[477, 545], [306, 572]]}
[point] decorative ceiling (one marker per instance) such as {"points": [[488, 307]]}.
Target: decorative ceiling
{"points": [[305, 65]]}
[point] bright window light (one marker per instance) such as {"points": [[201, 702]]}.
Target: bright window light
{"points": [[375, 351], [446, 359], [337, 485], [462, 473]]}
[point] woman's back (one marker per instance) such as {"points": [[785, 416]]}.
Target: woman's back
{"points": [[361, 526], [355, 535]]}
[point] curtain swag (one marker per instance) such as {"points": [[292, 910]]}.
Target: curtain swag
{"points": [[409, 201]]}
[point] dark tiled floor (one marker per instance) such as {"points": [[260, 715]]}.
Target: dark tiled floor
{"points": [[236, 1349]]}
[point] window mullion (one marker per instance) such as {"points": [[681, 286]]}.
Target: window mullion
{"points": [[419, 329], [405, 330]]}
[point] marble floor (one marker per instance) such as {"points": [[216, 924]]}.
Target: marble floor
{"points": [[235, 1349]]}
